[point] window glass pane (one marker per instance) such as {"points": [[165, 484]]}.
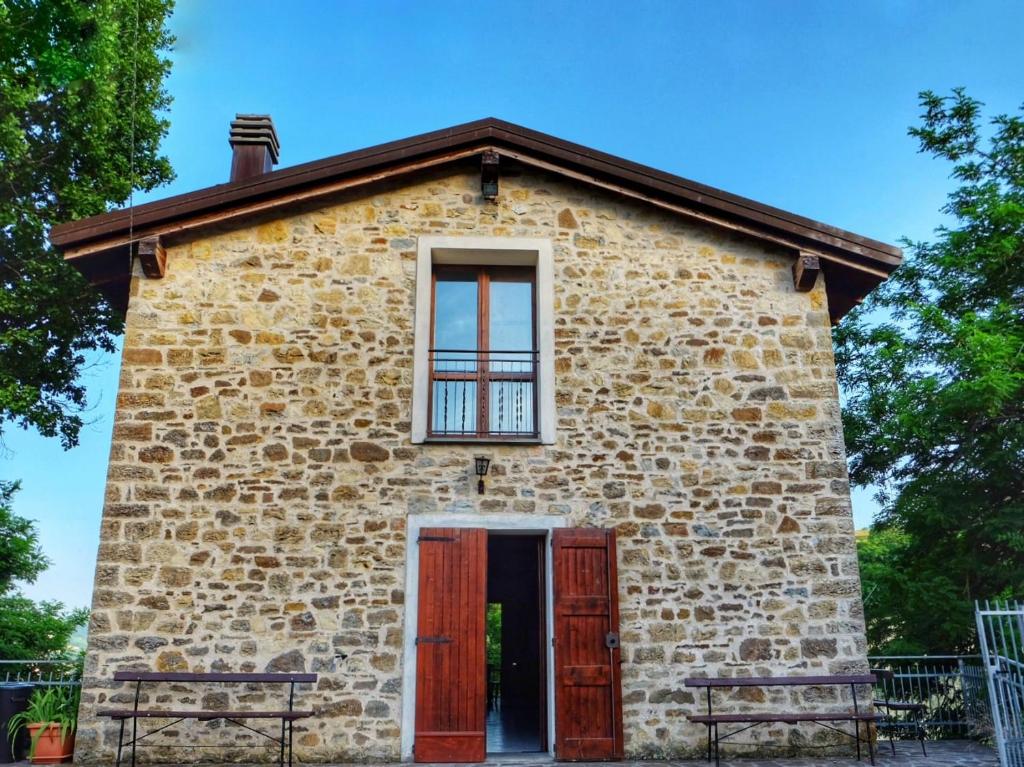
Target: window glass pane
{"points": [[455, 322], [510, 395], [511, 315], [455, 301]]}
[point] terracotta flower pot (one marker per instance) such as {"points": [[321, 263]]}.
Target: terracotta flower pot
{"points": [[50, 748]]}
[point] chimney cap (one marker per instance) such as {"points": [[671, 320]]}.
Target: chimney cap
{"points": [[255, 129]]}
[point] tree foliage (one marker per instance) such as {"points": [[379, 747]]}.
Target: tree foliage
{"points": [[36, 630], [81, 98], [492, 636], [21, 558], [933, 368], [28, 630]]}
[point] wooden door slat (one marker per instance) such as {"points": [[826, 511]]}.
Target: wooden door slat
{"points": [[450, 675], [588, 691]]}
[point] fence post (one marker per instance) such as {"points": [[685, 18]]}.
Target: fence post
{"points": [[990, 678]]}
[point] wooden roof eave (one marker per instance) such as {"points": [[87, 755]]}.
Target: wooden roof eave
{"points": [[106, 235]]}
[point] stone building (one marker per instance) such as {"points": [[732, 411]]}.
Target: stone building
{"points": [[315, 357]]}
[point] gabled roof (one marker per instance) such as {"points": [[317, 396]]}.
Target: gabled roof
{"points": [[853, 264]]}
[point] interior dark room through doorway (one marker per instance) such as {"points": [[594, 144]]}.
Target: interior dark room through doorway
{"points": [[516, 674]]}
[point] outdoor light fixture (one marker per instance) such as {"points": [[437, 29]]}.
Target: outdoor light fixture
{"points": [[489, 176], [482, 464]]}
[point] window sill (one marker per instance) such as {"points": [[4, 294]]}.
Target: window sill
{"points": [[482, 441]]}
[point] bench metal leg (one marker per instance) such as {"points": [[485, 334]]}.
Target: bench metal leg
{"points": [[709, 724], [871, 745], [856, 729], [135, 729], [280, 757], [717, 755], [135, 718], [892, 732], [289, 743], [120, 743]]}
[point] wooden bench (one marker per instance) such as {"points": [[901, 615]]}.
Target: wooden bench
{"points": [[826, 719], [287, 716], [892, 708]]}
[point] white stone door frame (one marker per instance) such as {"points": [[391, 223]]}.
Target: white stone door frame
{"points": [[523, 524]]}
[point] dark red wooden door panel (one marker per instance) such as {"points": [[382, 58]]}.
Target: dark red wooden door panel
{"points": [[588, 692], [450, 659]]}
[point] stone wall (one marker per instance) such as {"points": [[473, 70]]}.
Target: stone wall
{"points": [[261, 471]]}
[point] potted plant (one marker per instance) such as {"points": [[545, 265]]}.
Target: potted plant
{"points": [[51, 719]]}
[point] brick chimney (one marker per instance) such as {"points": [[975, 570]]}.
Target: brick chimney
{"points": [[254, 144]]}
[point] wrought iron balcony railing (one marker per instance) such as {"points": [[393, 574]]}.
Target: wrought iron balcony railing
{"points": [[478, 394]]}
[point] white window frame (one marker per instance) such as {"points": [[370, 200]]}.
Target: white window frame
{"points": [[485, 251]]}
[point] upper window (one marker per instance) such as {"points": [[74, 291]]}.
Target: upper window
{"points": [[484, 357]]}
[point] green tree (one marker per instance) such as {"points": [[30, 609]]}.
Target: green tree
{"points": [[21, 558], [27, 629], [492, 636], [894, 597], [933, 370], [81, 99], [36, 630]]}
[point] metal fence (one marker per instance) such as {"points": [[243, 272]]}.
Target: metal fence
{"points": [[1001, 638], [43, 673], [952, 688]]}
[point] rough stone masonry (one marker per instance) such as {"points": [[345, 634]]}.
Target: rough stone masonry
{"points": [[262, 473]]}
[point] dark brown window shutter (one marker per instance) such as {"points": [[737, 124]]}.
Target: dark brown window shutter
{"points": [[588, 691], [450, 658]]}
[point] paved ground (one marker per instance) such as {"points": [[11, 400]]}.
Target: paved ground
{"points": [[940, 754], [949, 753]]}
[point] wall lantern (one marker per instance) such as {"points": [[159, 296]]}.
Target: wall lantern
{"points": [[482, 464], [489, 176]]}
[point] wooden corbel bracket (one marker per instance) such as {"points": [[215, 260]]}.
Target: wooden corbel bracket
{"points": [[805, 271], [152, 256]]}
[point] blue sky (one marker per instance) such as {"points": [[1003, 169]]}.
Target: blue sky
{"points": [[802, 105]]}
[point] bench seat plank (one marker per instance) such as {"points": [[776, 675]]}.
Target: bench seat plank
{"points": [[185, 676], [779, 681], [127, 713], [824, 716]]}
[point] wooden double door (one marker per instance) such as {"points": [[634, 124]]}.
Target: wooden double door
{"points": [[451, 685]]}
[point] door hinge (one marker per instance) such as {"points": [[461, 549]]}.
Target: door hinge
{"points": [[442, 538], [611, 640], [433, 640]]}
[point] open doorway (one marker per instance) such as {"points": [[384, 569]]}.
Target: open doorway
{"points": [[445, 712], [515, 644]]}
